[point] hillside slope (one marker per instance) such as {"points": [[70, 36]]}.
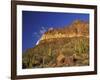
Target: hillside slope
{"points": [[67, 46]]}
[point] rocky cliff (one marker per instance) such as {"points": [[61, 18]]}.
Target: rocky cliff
{"points": [[76, 29]]}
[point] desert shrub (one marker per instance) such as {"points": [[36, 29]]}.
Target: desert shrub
{"points": [[82, 46], [45, 53]]}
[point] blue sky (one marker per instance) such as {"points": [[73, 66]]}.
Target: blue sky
{"points": [[34, 24]]}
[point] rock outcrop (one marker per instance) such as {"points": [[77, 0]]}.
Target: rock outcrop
{"points": [[76, 29]]}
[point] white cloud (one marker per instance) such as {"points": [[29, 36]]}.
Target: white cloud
{"points": [[43, 30], [35, 34], [40, 33], [51, 28]]}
